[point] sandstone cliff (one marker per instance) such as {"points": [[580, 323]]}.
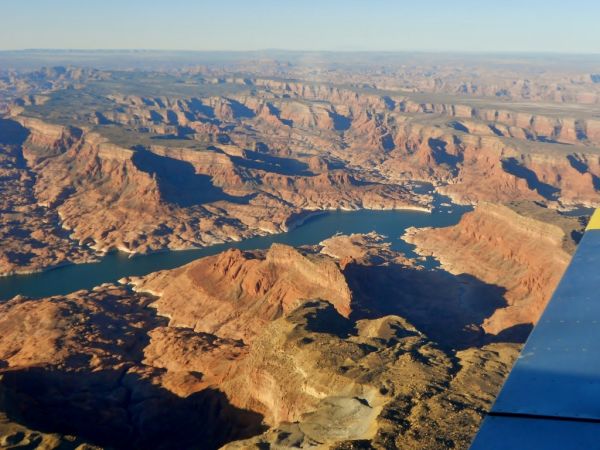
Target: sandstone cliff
{"points": [[234, 294], [270, 344], [523, 255], [99, 196]]}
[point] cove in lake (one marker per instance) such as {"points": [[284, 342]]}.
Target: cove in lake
{"points": [[114, 266]]}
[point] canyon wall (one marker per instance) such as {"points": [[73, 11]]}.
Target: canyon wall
{"points": [[523, 255]]}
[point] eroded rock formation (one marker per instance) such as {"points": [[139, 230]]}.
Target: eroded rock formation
{"points": [[217, 157], [347, 344], [290, 346], [525, 253]]}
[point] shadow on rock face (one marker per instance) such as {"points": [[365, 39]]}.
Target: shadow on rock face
{"points": [[268, 163], [320, 316], [448, 308], [515, 334], [512, 166], [178, 181], [12, 133], [441, 154], [117, 410]]}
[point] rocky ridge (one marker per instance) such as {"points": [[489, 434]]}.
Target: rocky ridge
{"points": [[496, 244], [260, 342], [220, 158]]}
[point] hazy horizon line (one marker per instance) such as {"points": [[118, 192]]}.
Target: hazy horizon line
{"points": [[287, 50]]}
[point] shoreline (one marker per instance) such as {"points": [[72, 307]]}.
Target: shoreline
{"points": [[60, 265], [302, 218]]}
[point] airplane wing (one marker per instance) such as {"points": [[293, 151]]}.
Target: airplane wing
{"points": [[551, 398]]}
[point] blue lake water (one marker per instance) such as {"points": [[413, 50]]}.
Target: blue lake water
{"points": [[116, 265]]}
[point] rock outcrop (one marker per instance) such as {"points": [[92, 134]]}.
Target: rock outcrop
{"points": [[236, 157], [31, 234], [234, 295], [522, 253], [345, 344], [279, 347]]}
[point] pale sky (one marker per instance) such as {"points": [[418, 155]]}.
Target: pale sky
{"points": [[571, 26]]}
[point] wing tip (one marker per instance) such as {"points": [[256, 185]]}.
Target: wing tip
{"points": [[594, 223]]}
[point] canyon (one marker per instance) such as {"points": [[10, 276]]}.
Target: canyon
{"points": [[344, 343], [111, 165], [264, 369], [353, 342]]}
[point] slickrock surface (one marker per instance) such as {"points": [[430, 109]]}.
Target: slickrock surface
{"points": [[286, 347], [383, 384], [522, 253]]}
